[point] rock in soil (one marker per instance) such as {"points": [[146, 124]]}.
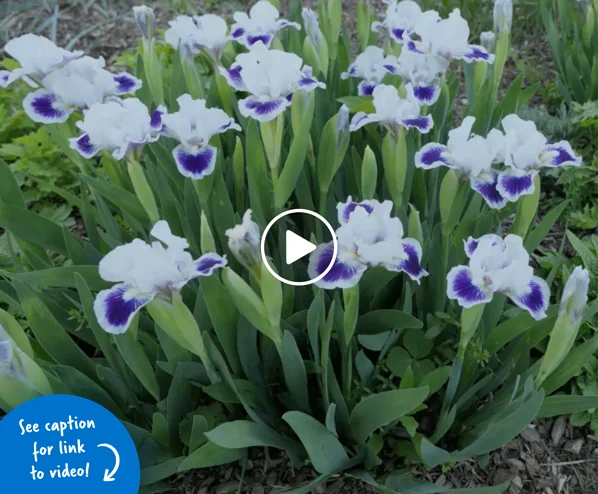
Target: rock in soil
{"points": [[516, 464], [558, 429], [530, 435], [504, 475], [574, 446]]}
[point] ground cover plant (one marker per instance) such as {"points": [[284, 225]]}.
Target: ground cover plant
{"points": [[165, 312]]}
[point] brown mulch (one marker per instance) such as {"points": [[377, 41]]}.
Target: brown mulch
{"points": [[551, 457], [111, 31], [263, 474], [535, 463]]}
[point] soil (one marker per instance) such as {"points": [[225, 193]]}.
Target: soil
{"points": [[550, 457]]}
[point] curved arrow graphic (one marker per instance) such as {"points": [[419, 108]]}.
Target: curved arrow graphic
{"points": [[109, 476]]}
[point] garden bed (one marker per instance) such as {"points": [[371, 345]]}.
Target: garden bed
{"points": [[550, 458]]}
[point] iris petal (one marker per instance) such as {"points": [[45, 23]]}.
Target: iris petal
{"points": [[344, 274], [195, 163], [233, 77], [4, 78], [237, 32], [204, 266], [486, 185], [432, 155], [84, 146], [156, 118], [426, 95], [512, 184], [535, 299], [345, 209], [471, 244], [207, 263], [461, 287], [424, 123], [126, 83], [415, 47], [360, 119], [282, 23], [308, 82], [366, 88], [262, 111], [397, 34], [411, 265], [477, 53], [116, 307], [560, 154], [42, 106], [252, 39]]}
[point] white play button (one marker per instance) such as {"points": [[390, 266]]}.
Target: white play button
{"points": [[297, 247]]}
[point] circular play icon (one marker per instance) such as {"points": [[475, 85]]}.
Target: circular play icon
{"points": [[64, 444], [297, 247]]}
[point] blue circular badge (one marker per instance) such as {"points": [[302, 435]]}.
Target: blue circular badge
{"points": [[65, 444]]}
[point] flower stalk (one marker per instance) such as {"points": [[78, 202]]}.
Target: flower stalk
{"points": [[224, 92], [503, 19], [203, 189], [272, 296], [364, 22], [144, 16], [153, 70], [394, 160], [207, 242], [239, 174], [251, 305], [190, 73], [369, 174], [566, 327], [315, 47], [470, 320], [177, 321], [414, 226], [527, 207], [272, 138], [351, 303], [142, 189]]}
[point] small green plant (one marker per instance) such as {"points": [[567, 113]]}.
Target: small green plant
{"points": [[39, 166], [32, 153], [557, 126], [586, 384], [572, 30]]}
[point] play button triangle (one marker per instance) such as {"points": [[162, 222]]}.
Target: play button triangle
{"points": [[297, 247]]}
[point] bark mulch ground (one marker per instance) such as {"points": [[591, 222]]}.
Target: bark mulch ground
{"points": [[551, 457]]}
